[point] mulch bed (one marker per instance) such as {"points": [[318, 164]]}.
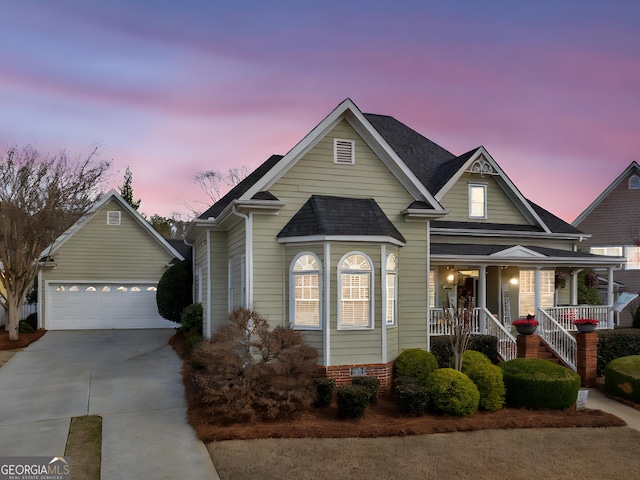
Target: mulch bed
{"points": [[381, 420], [24, 339]]}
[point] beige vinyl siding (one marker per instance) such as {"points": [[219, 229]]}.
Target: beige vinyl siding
{"points": [[500, 208], [236, 249], [97, 251], [219, 279], [392, 343], [315, 339]]}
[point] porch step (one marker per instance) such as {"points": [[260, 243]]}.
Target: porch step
{"points": [[546, 353]]}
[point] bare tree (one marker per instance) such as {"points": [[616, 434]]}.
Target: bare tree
{"points": [[213, 183], [40, 198], [459, 324]]}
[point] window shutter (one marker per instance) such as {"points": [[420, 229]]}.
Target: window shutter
{"points": [[343, 151]]}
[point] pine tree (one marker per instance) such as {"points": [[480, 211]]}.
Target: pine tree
{"points": [[126, 190]]}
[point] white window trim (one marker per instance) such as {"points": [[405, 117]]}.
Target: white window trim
{"points": [[338, 144], [292, 299], [113, 217], [471, 187], [370, 325]]}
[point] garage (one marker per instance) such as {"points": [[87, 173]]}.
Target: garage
{"points": [[99, 305]]}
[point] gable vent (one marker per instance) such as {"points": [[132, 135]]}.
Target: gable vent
{"points": [[343, 151], [634, 182], [113, 217]]}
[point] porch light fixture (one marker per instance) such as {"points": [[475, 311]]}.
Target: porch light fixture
{"points": [[513, 281], [450, 278]]}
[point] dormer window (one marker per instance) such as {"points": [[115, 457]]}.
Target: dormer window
{"points": [[477, 201], [344, 151], [113, 217]]}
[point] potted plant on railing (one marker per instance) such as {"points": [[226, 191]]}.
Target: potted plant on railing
{"points": [[585, 325], [526, 326]]}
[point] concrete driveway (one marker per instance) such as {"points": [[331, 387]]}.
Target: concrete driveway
{"points": [[129, 377]]}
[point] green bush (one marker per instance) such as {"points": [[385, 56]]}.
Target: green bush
{"points": [[487, 377], [411, 398], [353, 401], [32, 320], [415, 362], [174, 291], [370, 383], [402, 381], [24, 327], [486, 344], [452, 392], [617, 343], [192, 341], [622, 377], [324, 391], [191, 318], [636, 318], [539, 384]]}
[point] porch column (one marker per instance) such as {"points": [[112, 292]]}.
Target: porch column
{"points": [[574, 286], [482, 298], [610, 300], [537, 296]]}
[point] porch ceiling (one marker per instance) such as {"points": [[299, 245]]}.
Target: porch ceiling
{"points": [[517, 255]]}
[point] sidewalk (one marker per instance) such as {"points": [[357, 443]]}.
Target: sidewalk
{"points": [[598, 401]]}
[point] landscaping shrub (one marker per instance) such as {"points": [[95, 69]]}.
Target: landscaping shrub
{"points": [[174, 291], [192, 341], [539, 384], [191, 318], [399, 382], [248, 372], [24, 327], [353, 401], [324, 391], [411, 398], [617, 343], [452, 392], [441, 348], [487, 377], [622, 377], [32, 320], [370, 383], [415, 362]]}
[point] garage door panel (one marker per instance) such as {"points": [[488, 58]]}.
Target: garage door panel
{"points": [[95, 305]]}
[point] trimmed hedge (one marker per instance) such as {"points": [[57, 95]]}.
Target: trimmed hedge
{"points": [[486, 344], [324, 391], [539, 384], [174, 291], [452, 392], [191, 318], [32, 320], [353, 401], [622, 377], [487, 377], [617, 343], [412, 398], [24, 327], [415, 362], [370, 383]]}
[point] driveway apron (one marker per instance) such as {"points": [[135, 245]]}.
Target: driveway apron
{"points": [[131, 378]]}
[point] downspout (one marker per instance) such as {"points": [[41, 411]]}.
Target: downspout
{"points": [[428, 284], [248, 244], [40, 291], [610, 297], [207, 332], [326, 344]]}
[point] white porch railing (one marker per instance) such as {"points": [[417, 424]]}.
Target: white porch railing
{"points": [[566, 315], [558, 337], [507, 347]]}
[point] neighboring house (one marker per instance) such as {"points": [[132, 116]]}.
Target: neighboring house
{"points": [[613, 220], [104, 270], [366, 229]]}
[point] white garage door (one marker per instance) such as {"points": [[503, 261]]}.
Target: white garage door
{"points": [[73, 306]]}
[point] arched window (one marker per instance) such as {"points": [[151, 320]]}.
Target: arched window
{"points": [[392, 290], [305, 282], [355, 285]]}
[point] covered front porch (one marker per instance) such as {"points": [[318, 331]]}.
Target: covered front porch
{"points": [[502, 284]]}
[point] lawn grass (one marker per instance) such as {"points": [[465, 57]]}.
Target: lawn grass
{"points": [[84, 447], [561, 454]]}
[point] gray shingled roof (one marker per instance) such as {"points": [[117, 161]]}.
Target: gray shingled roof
{"points": [[476, 249], [325, 215], [507, 227], [237, 191], [557, 225]]}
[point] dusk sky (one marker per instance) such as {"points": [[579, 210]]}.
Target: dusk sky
{"points": [[550, 88]]}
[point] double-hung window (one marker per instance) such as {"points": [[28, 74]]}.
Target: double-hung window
{"points": [[306, 289], [392, 291], [477, 201], [355, 286]]}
